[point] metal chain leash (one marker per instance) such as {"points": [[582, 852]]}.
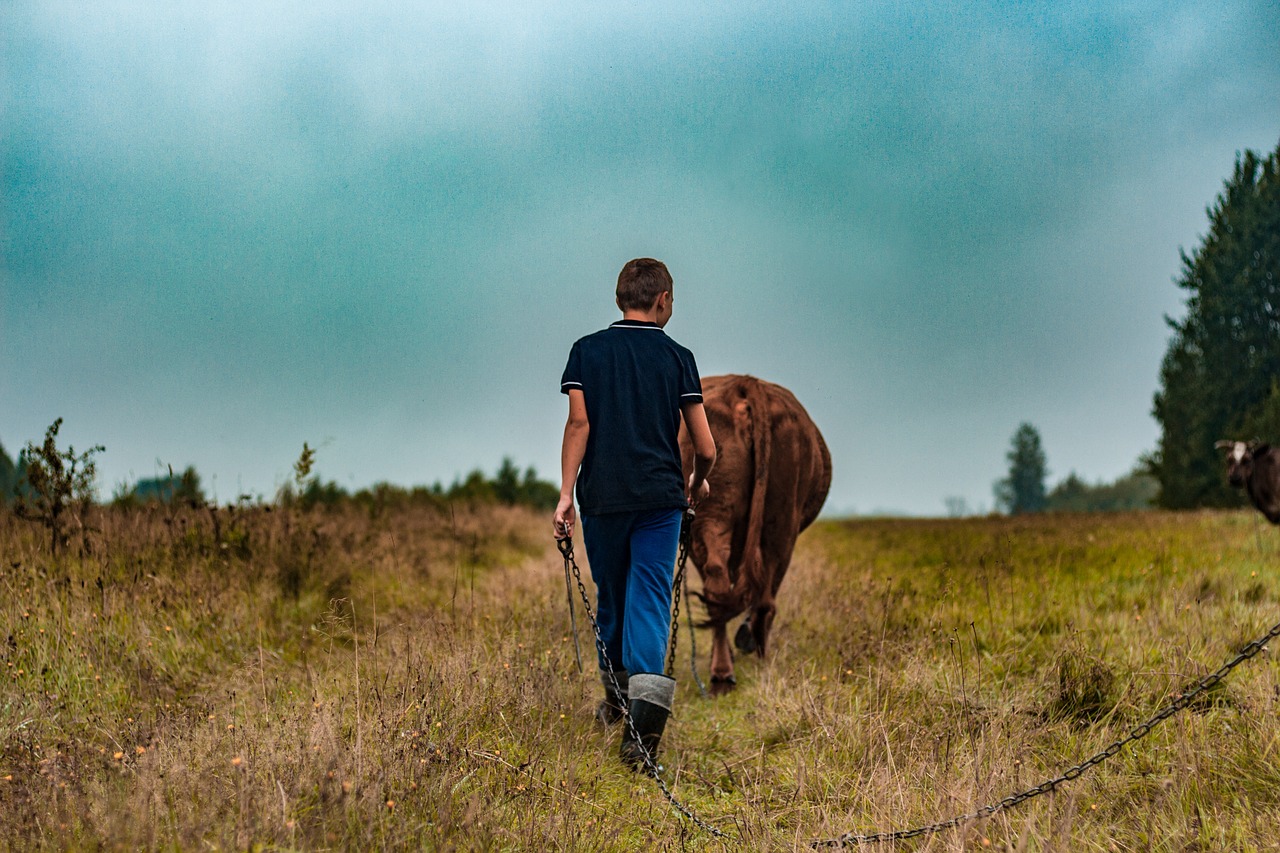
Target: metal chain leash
{"points": [[681, 582], [1181, 701], [685, 523], [651, 765]]}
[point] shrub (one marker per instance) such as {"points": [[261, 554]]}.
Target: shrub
{"points": [[56, 483]]}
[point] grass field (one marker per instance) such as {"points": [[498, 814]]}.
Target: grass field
{"points": [[394, 677]]}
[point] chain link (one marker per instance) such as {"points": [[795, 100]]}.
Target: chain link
{"points": [[675, 604], [651, 765], [681, 582], [1181, 701]]}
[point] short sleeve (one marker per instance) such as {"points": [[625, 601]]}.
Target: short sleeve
{"points": [[572, 376], [690, 382]]}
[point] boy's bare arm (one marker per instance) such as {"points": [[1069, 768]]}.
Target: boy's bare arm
{"points": [[573, 448], [704, 450]]}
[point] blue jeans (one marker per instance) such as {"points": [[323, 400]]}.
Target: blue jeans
{"points": [[633, 557]]}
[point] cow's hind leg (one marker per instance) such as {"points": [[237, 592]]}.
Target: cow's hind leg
{"points": [[761, 621], [744, 639], [722, 680]]}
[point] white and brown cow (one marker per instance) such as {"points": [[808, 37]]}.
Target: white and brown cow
{"points": [[1255, 468]]}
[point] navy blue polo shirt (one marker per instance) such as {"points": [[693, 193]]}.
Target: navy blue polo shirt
{"points": [[634, 379]]}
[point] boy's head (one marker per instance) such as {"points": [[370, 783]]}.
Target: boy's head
{"points": [[640, 283]]}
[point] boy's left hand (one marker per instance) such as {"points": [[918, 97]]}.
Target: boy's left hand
{"points": [[565, 517]]}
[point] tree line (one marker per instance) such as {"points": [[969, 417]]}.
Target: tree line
{"points": [[1024, 490], [509, 486], [33, 478]]}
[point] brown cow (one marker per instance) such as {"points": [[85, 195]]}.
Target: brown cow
{"points": [[771, 477]]}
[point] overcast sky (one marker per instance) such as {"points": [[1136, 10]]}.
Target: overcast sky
{"points": [[229, 228]]}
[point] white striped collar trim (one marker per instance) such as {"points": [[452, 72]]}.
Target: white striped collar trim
{"points": [[635, 324]]}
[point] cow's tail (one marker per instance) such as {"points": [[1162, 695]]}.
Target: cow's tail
{"points": [[751, 580]]}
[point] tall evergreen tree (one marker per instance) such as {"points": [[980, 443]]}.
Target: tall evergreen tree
{"points": [[1023, 490], [1218, 377]]}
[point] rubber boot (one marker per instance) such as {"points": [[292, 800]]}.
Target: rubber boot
{"points": [[649, 707], [609, 711]]}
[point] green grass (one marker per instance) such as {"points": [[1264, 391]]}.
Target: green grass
{"points": [[405, 678]]}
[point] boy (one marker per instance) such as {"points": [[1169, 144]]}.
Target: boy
{"points": [[628, 387]]}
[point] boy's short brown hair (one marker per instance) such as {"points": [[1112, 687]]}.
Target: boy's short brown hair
{"points": [[640, 282]]}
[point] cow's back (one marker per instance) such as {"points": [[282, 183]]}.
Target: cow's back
{"points": [[803, 457]]}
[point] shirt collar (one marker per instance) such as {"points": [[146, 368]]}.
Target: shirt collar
{"points": [[634, 324]]}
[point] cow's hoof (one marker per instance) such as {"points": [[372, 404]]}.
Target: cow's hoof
{"points": [[722, 684], [745, 640]]}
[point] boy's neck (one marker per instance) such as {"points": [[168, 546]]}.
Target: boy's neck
{"points": [[650, 316], [658, 313]]}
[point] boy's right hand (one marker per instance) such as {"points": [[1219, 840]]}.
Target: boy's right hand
{"points": [[565, 517], [698, 495]]}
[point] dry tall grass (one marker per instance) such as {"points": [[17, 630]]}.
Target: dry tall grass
{"points": [[396, 677]]}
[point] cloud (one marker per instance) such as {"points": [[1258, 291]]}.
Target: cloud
{"points": [[387, 224]]}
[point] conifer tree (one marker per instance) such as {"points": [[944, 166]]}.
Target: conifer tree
{"points": [[1023, 490], [1219, 376]]}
